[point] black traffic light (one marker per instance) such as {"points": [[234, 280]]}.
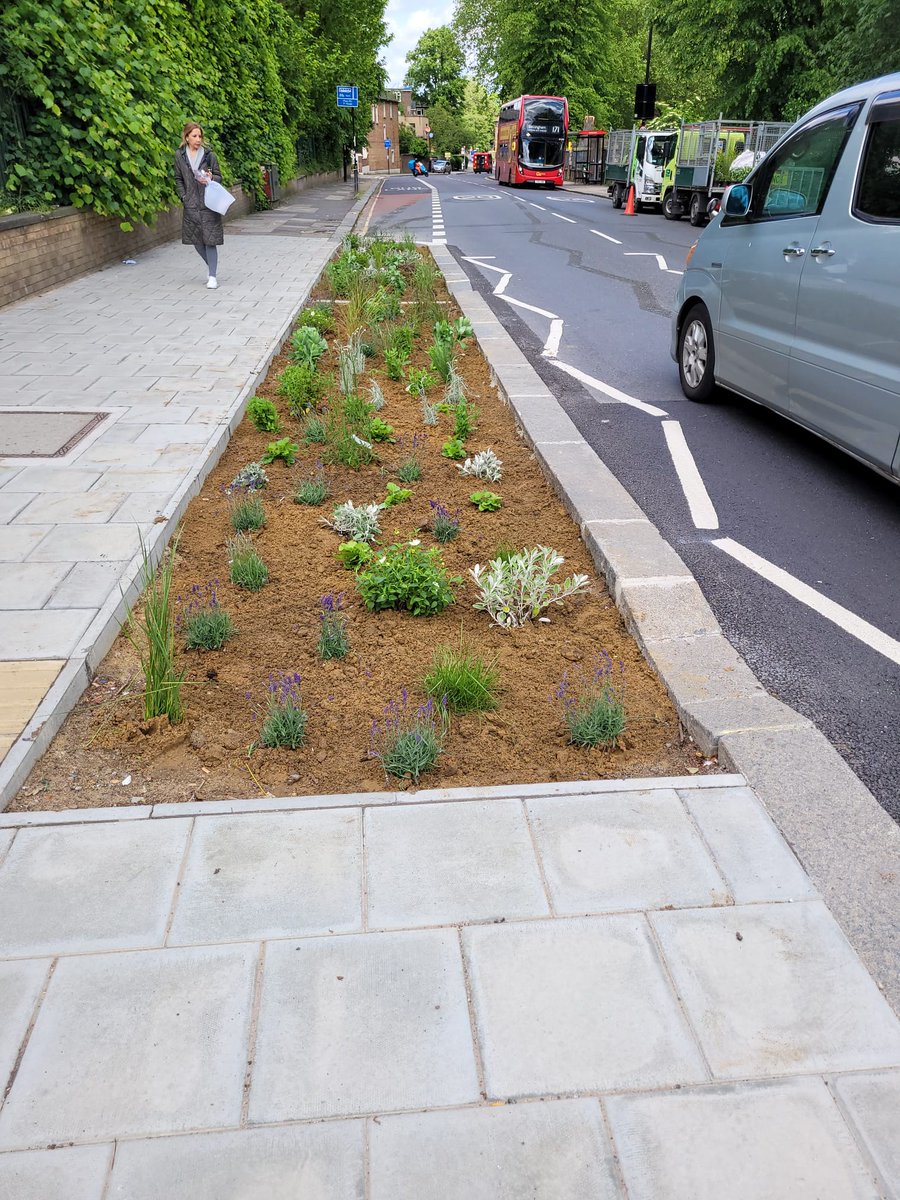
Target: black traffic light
{"points": [[645, 101]]}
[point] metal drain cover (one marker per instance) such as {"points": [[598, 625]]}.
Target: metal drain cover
{"points": [[27, 434]]}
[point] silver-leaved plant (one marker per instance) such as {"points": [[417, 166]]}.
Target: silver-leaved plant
{"points": [[518, 589]]}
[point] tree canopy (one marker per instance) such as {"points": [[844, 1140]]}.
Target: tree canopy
{"points": [[434, 69]]}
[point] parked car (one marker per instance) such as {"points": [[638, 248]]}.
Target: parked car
{"points": [[441, 166], [790, 295]]}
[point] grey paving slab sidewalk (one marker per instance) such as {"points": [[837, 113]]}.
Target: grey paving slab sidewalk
{"points": [[582, 993], [170, 363]]}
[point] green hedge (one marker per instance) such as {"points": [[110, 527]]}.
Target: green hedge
{"points": [[105, 87]]}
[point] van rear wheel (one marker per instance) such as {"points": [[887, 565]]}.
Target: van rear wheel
{"points": [[697, 355], [617, 195]]}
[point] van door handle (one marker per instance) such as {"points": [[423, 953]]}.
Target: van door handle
{"points": [[826, 250], [793, 251]]}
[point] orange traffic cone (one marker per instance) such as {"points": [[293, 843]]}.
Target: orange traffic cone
{"points": [[629, 201]]}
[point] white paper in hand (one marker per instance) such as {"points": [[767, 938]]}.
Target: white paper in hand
{"points": [[217, 198]]}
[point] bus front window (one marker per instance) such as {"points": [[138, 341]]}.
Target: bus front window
{"points": [[543, 140]]}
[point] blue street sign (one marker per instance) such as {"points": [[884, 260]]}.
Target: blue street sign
{"points": [[387, 143], [348, 97]]}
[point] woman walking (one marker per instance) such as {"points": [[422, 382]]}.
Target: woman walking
{"points": [[195, 166]]}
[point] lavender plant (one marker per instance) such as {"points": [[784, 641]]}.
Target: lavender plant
{"points": [[594, 703], [246, 569], [246, 512], [205, 625], [519, 589], [251, 478], [333, 640], [408, 741], [283, 718], [444, 524], [313, 490]]}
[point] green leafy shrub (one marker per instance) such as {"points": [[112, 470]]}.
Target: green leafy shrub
{"points": [[319, 317], [407, 741], [308, 346], [340, 273], [380, 431], [395, 363], [333, 640], [247, 513], [246, 569], [486, 501], [420, 381], [264, 415], [395, 495], [465, 419], [302, 387], [354, 555], [468, 681], [440, 355], [284, 718], [453, 448], [519, 589], [284, 449], [407, 577], [594, 705]]}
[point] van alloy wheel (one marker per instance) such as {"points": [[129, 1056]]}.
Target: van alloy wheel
{"points": [[696, 355]]}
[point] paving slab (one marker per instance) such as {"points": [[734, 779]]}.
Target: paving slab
{"points": [[271, 875], [614, 852], [21, 984], [557, 1150], [871, 1103], [67, 890], [787, 996], [440, 864], [89, 543], [744, 1142], [362, 1023], [41, 633], [86, 585], [57, 478], [30, 585], [89, 508], [299, 1162], [576, 1005], [67, 1173], [752, 855], [18, 541], [135, 1044]]}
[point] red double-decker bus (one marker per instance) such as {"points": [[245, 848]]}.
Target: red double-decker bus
{"points": [[531, 141]]}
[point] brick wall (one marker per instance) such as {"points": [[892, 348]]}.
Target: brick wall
{"points": [[385, 124], [42, 250]]}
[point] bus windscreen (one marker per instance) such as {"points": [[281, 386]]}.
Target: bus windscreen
{"points": [[543, 138]]}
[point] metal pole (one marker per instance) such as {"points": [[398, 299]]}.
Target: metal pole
{"points": [[355, 165], [649, 48]]}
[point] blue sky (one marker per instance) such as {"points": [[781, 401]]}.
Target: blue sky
{"points": [[407, 20]]}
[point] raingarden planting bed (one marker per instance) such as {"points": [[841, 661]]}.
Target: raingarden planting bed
{"points": [[392, 379]]}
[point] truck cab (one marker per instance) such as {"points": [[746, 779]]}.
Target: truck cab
{"points": [[640, 157]]}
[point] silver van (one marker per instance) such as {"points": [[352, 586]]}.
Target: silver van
{"points": [[792, 294]]}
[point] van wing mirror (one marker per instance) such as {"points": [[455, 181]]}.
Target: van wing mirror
{"points": [[737, 200]]}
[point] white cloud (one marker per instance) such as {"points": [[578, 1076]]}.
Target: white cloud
{"points": [[407, 20]]}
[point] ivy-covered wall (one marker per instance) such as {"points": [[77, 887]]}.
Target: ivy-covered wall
{"points": [[102, 88]]}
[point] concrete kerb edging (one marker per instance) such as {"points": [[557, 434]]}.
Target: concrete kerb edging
{"points": [[845, 840], [103, 630]]}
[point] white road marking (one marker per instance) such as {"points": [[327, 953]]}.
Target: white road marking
{"points": [[874, 638], [615, 241], [703, 514], [474, 258], [660, 261], [560, 217], [487, 266], [551, 346], [540, 206], [541, 312], [612, 392], [501, 286]]}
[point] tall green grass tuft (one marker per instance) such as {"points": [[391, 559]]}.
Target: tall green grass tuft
{"points": [[153, 636], [468, 680]]}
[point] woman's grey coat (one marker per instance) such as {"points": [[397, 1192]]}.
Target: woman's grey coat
{"points": [[200, 226]]}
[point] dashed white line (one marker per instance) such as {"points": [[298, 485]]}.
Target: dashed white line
{"points": [[874, 638], [613, 393], [551, 346], [541, 312], [540, 206], [560, 217], [703, 514], [615, 241]]}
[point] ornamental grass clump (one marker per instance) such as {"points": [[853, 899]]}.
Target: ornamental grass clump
{"points": [[264, 415], [313, 490], [283, 717], [152, 634], [443, 524], [246, 512], [485, 465], [251, 478], [408, 741], [361, 524], [344, 446], [246, 569], [594, 705], [409, 578], [204, 623], [466, 679], [333, 639], [519, 589]]}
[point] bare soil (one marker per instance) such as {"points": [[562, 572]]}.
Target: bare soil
{"points": [[107, 754]]}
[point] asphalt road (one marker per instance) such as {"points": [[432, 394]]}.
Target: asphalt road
{"points": [[777, 491]]}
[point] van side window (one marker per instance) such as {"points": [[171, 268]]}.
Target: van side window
{"points": [[878, 195], [794, 179]]}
